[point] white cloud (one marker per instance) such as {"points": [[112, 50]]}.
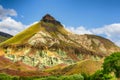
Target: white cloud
{"points": [[10, 23], [11, 26], [7, 23], [4, 13], [32, 23], [79, 30], [16, 27], [111, 31], [12, 31]]}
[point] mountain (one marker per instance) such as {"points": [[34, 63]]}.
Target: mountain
{"points": [[47, 44], [4, 36], [42, 26]]}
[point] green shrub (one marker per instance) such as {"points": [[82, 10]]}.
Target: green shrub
{"points": [[8, 77], [67, 77], [112, 64], [72, 77], [52, 78], [85, 76], [100, 75]]}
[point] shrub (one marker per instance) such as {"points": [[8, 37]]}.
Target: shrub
{"points": [[72, 77], [8, 77], [112, 64], [52, 78], [100, 75]]}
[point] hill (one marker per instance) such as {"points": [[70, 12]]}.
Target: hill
{"points": [[86, 66], [4, 36], [47, 44]]}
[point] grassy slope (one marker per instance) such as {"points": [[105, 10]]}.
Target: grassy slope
{"points": [[24, 35], [2, 39], [85, 66]]}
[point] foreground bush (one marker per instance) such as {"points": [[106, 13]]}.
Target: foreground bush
{"points": [[72, 77], [112, 64], [67, 77], [111, 68], [7, 77], [100, 75]]}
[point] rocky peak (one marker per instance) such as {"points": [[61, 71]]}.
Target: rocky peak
{"points": [[49, 18]]}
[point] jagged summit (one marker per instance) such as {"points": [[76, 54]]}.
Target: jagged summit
{"points": [[50, 19]]}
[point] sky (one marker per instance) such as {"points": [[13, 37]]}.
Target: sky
{"points": [[100, 17]]}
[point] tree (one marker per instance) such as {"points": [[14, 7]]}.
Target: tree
{"points": [[100, 75], [112, 64]]}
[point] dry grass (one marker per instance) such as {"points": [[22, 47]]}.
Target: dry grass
{"points": [[24, 35], [85, 66]]}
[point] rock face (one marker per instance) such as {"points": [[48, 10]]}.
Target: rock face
{"points": [[96, 43], [49, 18], [48, 43]]}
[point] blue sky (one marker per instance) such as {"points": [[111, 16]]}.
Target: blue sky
{"points": [[101, 17], [89, 13]]}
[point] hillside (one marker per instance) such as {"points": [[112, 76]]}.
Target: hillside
{"points": [[21, 69], [96, 43], [43, 25], [86, 66], [47, 44], [4, 36]]}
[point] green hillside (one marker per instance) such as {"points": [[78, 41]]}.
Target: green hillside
{"points": [[2, 38], [24, 35]]}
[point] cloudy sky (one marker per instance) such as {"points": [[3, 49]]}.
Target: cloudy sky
{"points": [[100, 17]]}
